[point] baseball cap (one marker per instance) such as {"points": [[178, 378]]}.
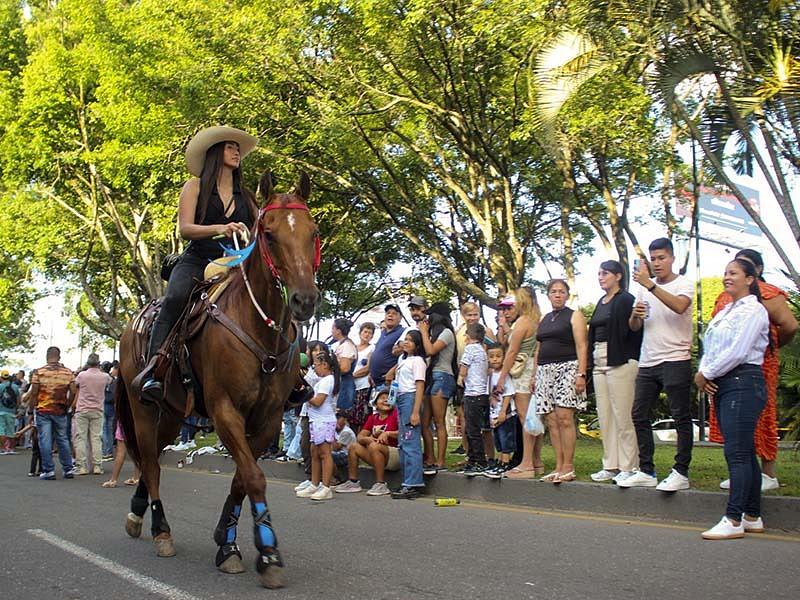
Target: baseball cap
{"points": [[5, 374], [508, 300], [418, 301], [389, 307]]}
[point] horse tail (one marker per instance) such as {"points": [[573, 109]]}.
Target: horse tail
{"points": [[126, 421]]}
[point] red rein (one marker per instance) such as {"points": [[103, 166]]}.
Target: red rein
{"points": [[263, 245]]}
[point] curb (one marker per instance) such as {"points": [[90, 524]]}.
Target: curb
{"points": [[779, 512]]}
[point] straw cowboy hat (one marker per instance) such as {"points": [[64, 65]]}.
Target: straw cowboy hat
{"points": [[205, 138]]}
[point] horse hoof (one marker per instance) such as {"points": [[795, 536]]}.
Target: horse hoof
{"points": [[232, 564], [133, 525], [273, 578], [164, 546]]}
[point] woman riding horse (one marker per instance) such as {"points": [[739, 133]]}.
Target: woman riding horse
{"points": [[244, 357], [212, 204]]}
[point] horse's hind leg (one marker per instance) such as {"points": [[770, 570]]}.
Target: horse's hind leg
{"points": [[230, 426], [150, 440], [229, 557], [133, 524]]}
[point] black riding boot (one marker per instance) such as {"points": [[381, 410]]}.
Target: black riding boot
{"points": [[152, 388]]}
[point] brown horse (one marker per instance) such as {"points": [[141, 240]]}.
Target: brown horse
{"points": [[245, 383]]}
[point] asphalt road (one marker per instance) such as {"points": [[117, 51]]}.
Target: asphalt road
{"points": [[65, 540]]}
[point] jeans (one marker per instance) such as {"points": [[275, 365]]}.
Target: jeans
{"points": [[443, 383], [88, 427], [289, 427], [740, 399], [49, 427], [109, 428], [409, 442], [675, 378], [187, 429], [476, 413]]}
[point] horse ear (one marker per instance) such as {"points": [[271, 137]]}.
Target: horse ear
{"points": [[266, 186], [303, 187]]}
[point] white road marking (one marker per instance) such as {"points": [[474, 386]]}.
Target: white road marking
{"points": [[290, 219], [143, 581]]}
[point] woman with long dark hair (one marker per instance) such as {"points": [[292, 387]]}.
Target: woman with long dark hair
{"points": [[614, 348], [782, 329], [212, 204], [439, 339], [730, 370]]}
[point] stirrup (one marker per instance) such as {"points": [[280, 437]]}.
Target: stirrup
{"points": [[152, 391]]}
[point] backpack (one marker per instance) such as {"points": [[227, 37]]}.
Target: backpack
{"points": [[9, 396]]}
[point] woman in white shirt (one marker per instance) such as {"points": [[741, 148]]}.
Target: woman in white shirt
{"points": [[409, 376], [730, 369]]}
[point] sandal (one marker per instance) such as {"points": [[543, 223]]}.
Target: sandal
{"points": [[550, 477], [517, 473], [111, 483], [131, 481], [565, 477]]}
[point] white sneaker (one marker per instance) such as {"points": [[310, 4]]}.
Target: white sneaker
{"points": [[673, 482], [322, 493], [639, 479], [191, 444], [348, 487], [622, 476], [379, 489], [303, 485], [768, 483], [724, 530], [308, 491], [603, 475], [756, 526]]}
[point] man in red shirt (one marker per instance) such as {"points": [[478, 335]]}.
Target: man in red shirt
{"points": [[376, 445], [52, 390]]}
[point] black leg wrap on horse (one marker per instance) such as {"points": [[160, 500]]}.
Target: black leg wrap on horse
{"points": [[265, 539], [139, 505], [225, 532], [159, 521]]}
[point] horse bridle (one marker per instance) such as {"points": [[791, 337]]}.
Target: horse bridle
{"points": [[263, 243]]}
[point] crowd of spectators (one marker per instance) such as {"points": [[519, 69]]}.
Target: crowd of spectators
{"points": [[385, 403], [537, 369]]}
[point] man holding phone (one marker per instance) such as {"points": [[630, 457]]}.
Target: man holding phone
{"points": [[663, 308]]}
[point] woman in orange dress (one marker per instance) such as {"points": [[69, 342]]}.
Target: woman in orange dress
{"points": [[782, 327]]}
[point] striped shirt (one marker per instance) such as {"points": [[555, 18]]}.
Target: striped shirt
{"points": [[53, 380], [737, 335]]}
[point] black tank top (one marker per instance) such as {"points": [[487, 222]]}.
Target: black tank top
{"points": [[215, 215], [556, 343]]}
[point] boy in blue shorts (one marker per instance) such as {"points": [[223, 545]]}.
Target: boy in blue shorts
{"points": [[502, 414]]}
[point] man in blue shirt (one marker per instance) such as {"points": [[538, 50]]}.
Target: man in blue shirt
{"points": [[384, 357]]}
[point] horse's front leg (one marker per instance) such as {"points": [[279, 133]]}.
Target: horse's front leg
{"points": [[229, 557], [230, 427]]}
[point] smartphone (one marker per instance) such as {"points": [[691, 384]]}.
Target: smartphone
{"points": [[636, 264]]}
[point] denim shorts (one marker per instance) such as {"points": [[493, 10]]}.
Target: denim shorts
{"points": [[505, 436], [443, 383]]}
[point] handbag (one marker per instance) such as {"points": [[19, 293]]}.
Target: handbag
{"points": [[519, 365], [169, 262]]}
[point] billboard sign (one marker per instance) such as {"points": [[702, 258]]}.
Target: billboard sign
{"points": [[722, 217]]}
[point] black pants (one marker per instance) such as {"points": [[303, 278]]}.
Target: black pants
{"points": [[181, 283], [476, 414], [675, 379], [305, 445]]}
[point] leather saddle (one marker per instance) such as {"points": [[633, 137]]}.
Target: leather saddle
{"points": [[183, 393]]}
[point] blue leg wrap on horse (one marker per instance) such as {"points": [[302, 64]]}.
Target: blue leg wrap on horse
{"points": [[263, 532], [225, 532], [159, 524], [265, 539]]}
